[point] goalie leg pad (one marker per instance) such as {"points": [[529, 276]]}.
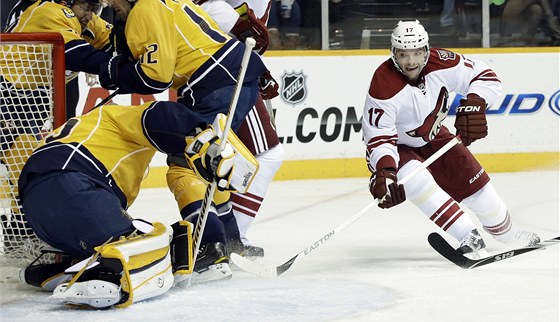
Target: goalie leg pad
{"points": [[143, 263], [182, 250], [94, 293]]}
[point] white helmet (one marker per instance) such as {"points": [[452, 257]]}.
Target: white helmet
{"points": [[409, 35]]}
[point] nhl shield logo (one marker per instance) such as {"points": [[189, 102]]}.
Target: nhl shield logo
{"points": [[294, 87]]}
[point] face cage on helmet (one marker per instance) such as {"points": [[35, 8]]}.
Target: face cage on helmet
{"points": [[94, 6]]}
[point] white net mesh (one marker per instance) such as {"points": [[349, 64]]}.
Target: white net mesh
{"points": [[27, 105]]}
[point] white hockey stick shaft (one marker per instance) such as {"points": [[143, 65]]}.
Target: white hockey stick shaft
{"points": [[270, 110], [263, 271], [372, 204], [211, 188]]}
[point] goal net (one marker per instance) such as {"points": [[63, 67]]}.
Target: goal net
{"points": [[32, 104]]}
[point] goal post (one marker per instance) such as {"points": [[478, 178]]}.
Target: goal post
{"points": [[32, 103]]}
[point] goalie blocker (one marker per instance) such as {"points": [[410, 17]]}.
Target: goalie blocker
{"points": [[126, 271], [204, 157]]}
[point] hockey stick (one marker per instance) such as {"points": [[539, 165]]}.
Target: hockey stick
{"points": [[106, 99], [269, 271], [211, 188], [268, 104], [442, 246]]}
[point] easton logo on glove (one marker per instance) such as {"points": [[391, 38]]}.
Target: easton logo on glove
{"points": [[468, 109], [470, 120]]}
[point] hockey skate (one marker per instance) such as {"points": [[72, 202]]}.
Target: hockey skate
{"points": [[212, 264], [473, 245], [93, 293], [244, 248], [518, 238]]}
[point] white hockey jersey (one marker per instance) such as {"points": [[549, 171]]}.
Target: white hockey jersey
{"points": [[397, 112], [223, 12]]}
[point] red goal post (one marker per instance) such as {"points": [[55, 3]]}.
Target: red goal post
{"points": [[32, 102]]}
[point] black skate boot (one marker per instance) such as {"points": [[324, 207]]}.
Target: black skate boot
{"points": [[244, 249], [212, 264]]}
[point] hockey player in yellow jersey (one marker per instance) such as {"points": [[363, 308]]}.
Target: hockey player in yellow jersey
{"points": [[25, 99], [86, 35], [176, 44], [76, 187], [22, 82]]}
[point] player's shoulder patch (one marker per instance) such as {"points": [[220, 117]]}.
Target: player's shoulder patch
{"points": [[387, 81], [68, 12], [441, 59], [444, 54]]}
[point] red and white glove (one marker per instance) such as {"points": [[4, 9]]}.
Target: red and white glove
{"points": [[383, 186], [470, 120], [268, 87], [248, 25]]}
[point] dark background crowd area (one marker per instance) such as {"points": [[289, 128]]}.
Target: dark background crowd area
{"points": [[367, 24]]}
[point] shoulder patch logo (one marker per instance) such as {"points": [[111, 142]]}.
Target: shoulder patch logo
{"points": [[68, 12], [294, 87], [445, 54]]}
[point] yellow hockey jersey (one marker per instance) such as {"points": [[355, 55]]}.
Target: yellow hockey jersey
{"points": [[175, 43], [114, 144], [46, 16]]}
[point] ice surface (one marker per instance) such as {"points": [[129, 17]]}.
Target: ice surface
{"points": [[381, 268]]}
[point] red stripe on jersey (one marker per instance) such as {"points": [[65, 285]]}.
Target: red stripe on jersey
{"points": [[381, 139], [486, 75], [500, 228], [246, 203], [441, 209], [447, 214], [256, 130], [453, 219]]}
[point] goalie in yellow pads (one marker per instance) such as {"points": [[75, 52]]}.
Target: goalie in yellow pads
{"points": [[76, 186], [131, 269]]}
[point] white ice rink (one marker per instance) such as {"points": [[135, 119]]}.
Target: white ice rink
{"points": [[381, 268]]}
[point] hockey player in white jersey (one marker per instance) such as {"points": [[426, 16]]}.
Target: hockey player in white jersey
{"points": [[402, 126], [257, 132]]}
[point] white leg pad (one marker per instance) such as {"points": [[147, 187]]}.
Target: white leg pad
{"points": [[94, 293], [145, 261]]}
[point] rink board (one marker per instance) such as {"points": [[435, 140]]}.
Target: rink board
{"points": [[318, 114]]}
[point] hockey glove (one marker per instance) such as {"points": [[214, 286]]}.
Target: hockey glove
{"points": [[268, 87], [383, 186], [248, 25], [205, 159], [470, 120], [108, 72]]}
